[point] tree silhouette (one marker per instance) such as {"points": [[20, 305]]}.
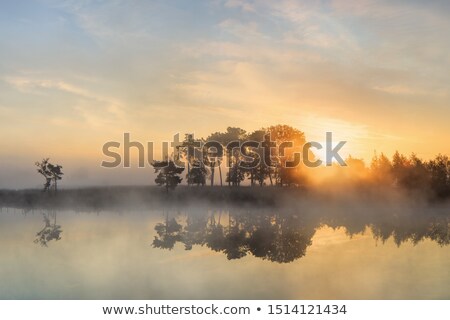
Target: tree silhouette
{"points": [[410, 173], [212, 158], [50, 232], [261, 172], [168, 174], [197, 174], [439, 170], [283, 134], [236, 174], [418, 176], [52, 173], [231, 135], [381, 169], [400, 169], [188, 151]]}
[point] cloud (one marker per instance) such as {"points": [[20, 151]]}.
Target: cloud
{"points": [[110, 20], [220, 49], [95, 108], [398, 89], [241, 30], [242, 4], [34, 85]]}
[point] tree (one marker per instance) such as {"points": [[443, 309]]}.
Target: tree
{"points": [[410, 173], [381, 169], [439, 170], [235, 175], [400, 168], [52, 173], [197, 174], [212, 158], [168, 174], [262, 171], [285, 135], [231, 135], [418, 176], [188, 151]]}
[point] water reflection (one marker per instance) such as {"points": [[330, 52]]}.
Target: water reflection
{"points": [[315, 251], [50, 232], [285, 236]]}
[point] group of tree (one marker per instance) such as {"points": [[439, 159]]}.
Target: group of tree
{"points": [[203, 163], [413, 173]]}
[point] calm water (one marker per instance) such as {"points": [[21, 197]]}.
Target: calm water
{"points": [[203, 253]]}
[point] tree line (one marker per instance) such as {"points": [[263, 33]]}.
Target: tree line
{"points": [[411, 173], [204, 163], [277, 146]]}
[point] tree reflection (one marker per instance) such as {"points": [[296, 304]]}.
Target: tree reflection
{"points": [[284, 237], [439, 231], [291, 239], [168, 233], [234, 244], [274, 237], [436, 229], [215, 234], [194, 231], [51, 230]]}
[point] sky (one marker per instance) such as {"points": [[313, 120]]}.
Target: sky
{"points": [[77, 74]]}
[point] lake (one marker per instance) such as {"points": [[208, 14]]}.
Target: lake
{"points": [[202, 252]]}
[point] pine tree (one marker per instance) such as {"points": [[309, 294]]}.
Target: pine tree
{"points": [[168, 174]]}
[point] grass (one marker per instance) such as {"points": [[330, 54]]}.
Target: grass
{"points": [[132, 196]]}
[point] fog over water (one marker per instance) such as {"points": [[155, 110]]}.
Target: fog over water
{"points": [[308, 249]]}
